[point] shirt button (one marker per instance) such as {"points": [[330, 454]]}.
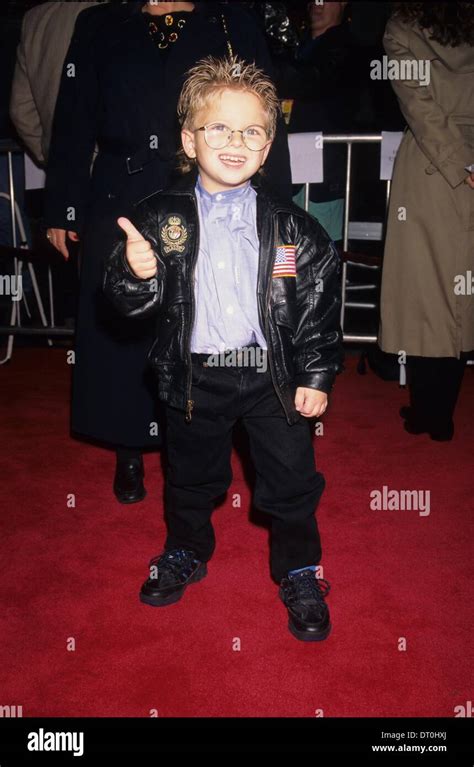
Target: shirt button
{"points": [[230, 309], [221, 264], [218, 197]]}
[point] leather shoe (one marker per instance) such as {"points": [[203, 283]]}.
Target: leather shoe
{"points": [[438, 432], [170, 575], [128, 480]]}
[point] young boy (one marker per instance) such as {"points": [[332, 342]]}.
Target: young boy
{"points": [[230, 271]]}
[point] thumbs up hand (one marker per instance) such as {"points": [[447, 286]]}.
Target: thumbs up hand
{"points": [[139, 253]]}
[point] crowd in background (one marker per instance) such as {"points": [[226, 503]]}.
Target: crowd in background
{"points": [[319, 56]]}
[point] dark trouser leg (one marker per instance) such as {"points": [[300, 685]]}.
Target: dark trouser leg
{"points": [[449, 377], [288, 487], [435, 383], [125, 454], [198, 464]]}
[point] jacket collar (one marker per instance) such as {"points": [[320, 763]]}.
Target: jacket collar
{"points": [[185, 184]]}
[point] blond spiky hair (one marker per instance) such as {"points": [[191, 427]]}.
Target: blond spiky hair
{"points": [[211, 75]]}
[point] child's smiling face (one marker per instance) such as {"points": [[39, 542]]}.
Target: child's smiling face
{"points": [[237, 110]]}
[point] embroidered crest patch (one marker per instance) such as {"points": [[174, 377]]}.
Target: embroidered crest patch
{"points": [[174, 235]]}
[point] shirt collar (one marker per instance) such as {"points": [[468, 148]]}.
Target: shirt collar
{"points": [[224, 197]]}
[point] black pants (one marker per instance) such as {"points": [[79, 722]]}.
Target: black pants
{"points": [[288, 487], [435, 383]]}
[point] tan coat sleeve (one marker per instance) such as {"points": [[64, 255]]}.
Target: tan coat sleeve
{"points": [[437, 135], [23, 111]]}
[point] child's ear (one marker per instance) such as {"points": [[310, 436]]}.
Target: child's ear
{"points": [[187, 140]]}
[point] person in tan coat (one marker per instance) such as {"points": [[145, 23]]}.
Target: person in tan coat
{"points": [[427, 299], [45, 36]]}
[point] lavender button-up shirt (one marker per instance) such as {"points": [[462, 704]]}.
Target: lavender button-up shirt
{"points": [[225, 277]]}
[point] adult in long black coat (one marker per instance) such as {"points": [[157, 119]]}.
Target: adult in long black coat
{"points": [[120, 89]]}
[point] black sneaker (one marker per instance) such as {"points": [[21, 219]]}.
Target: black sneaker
{"points": [[303, 595], [172, 572]]}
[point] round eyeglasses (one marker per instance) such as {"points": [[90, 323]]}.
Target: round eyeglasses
{"points": [[218, 136]]}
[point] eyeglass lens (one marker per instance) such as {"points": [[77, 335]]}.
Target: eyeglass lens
{"points": [[218, 136]]}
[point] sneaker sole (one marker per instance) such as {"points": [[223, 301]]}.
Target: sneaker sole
{"points": [[200, 573], [309, 636]]}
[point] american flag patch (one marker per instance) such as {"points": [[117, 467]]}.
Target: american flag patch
{"points": [[285, 261]]}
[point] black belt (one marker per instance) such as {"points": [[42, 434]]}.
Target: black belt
{"points": [[202, 357], [134, 160]]}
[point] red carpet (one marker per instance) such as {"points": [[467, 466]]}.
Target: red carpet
{"points": [[75, 573]]}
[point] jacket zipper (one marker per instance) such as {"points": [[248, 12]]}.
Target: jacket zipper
{"points": [[189, 401], [269, 289]]}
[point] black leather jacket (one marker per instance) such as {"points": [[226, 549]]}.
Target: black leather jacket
{"points": [[298, 316]]}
